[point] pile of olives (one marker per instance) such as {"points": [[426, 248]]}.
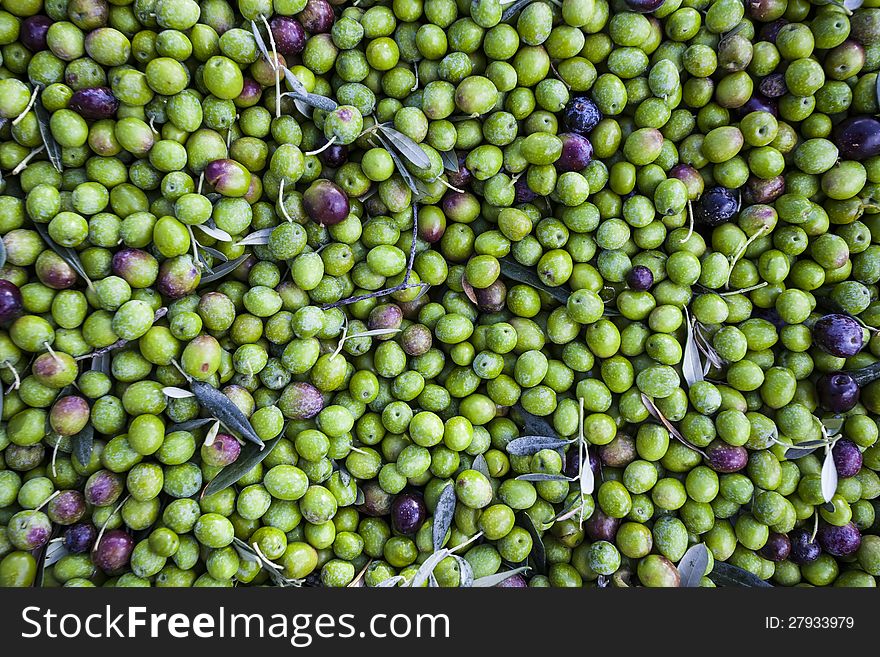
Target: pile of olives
{"points": [[439, 292]]}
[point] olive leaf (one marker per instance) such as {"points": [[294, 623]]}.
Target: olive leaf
{"points": [[804, 448], [450, 161], [705, 347], [468, 290], [299, 93], [829, 475], [543, 476], [655, 412], [176, 393], [222, 270], [691, 367], [869, 373], [222, 408], [532, 424], [55, 549], [514, 8], [586, 479], [481, 466], [258, 237], [443, 515], [360, 498], [101, 363], [2, 253], [399, 165], [725, 574], [209, 228], [344, 476], [405, 145], [251, 456], [489, 581], [528, 445], [833, 425], [82, 444], [53, 150], [214, 253], [538, 553], [465, 572], [693, 565], [522, 274], [390, 582], [189, 425], [70, 256], [251, 554], [427, 568]]}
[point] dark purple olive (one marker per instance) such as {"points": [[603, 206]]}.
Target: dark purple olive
{"points": [[773, 86], [839, 335], [847, 458], [619, 453], [113, 552], [573, 464], [690, 177], [838, 392], [839, 541], [223, 451], [250, 95], [491, 299], [11, 303], [407, 513], [581, 115], [726, 458], [513, 582], [334, 156], [716, 205], [178, 276], [803, 550], [858, 137], [524, 193], [461, 178], [317, 17], [103, 488], [67, 507], [765, 10], [640, 278], [777, 548], [300, 401], [94, 103], [759, 190], [577, 152], [644, 6], [326, 203], [385, 316], [376, 501], [33, 32], [79, 538], [770, 31], [758, 103], [600, 527], [769, 315], [289, 35]]}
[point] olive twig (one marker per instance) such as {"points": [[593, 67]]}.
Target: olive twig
{"points": [[690, 220], [416, 73], [275, 67], [18, 119], [55, 456], [52, 353], [17, 382], [741, 252], [107, 522], [27, 158], [323, 148], [284, 212], [180, 369], [48, 499]]}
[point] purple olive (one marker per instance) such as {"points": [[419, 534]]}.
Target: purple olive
{"points": [[492, 299], [376, 501], [619, 453], [759, 190], [137, 267], [67, 507], [103, 488], [758, 103], [577, 152], [777, 548], [765, 10], [463, 177], [644, 6], [726, 458], [432, 226], [416, 339], [770, 31], [524, 193], [847, 458], [228, 177], [600, 527], [80, 538], [858, 137], [407, 513], [581, 115], [300, 401], [691, 179], [513, 582], [69, 415], [53, 271], [317, 17], [29, 530], [289, 35], [250, 95], [385, 316], [33, 32], [178, 276], [326, 203], [223, 451], [839, 335], [803, 550], [640, 278], [113, 552], [773, 86], [94, 103], [838, 392], [573, 464], [11, 303], [839, 541], [334, 156]]}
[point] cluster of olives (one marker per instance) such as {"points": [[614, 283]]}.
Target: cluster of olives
{"points": [[327, 293]]}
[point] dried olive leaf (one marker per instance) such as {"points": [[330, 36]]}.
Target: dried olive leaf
{"points": [[258, 237], [222, 408], [691, 367], [543, 476], [496, 579], [829, 476], [189, 425], [450, 160], [528, 445], [82, 444], [586, 478], [692, 565], [101, 363], [655, 412], [514, 8], [468, 290], [481, 466], [176, 393], [222, 270], [726, 574], [251, 456], [427, 568], [443, 515], [399, 165], [538, 554], [797, 452], [53, 150], [67, 254], [522, 274], [406, 146]]}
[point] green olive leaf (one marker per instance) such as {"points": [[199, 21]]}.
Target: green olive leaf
{"points": [[258, 237], [543, 476], [481, 466], [54, 551], [406, 146], [444, 512], [67, 254], [399, 165], [869, 373], [360, 498], [450, 161], [725, 574], [82, 444], [298, 92], [494, 580], [251, 456], [222, 270], [426, 570], [693, 565], [691, 367], [538, 553], [53, 150], [522, 274], [528, 445], [214, 253], [222, 408], [2, 250]]}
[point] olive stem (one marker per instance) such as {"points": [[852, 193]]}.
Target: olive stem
{"points": [[264, 558], [281, 202], [731, 293], [741, 252], [49, 499], [52, 353], [446, 184], [201, 180], [275, 67], [107, 522], [180, 369], [473, 538], [866, 375], [416, 73], [195, 245], [323, 148], [55, 456], [559, 77], [18, 119], [21, 165], [690, 220], [14, 371]]}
